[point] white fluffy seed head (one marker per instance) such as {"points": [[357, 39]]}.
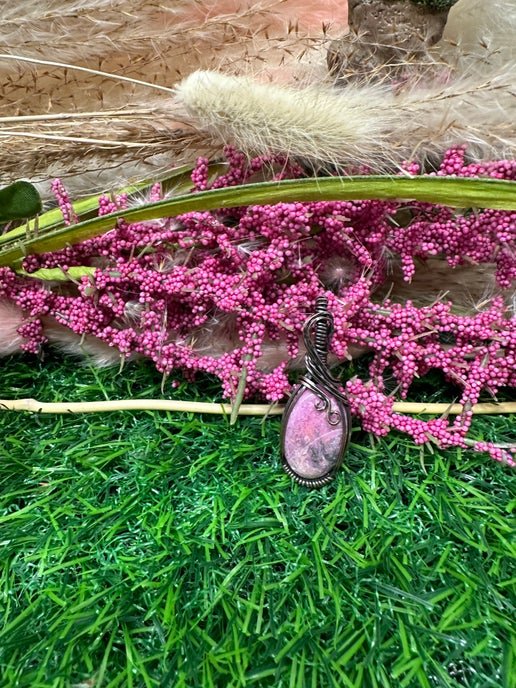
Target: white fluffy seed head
{"points": [[314, 123], [358, 124]]}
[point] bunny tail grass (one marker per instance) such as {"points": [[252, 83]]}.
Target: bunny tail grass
{"points": [[311, 123], [91, 58], [149, 41], [357, 124]]}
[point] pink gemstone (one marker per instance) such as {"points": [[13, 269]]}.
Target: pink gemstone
{"points": [[312, 446]]}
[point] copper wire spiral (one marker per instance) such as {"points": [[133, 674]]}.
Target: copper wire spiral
{"points": [[317, 332]]}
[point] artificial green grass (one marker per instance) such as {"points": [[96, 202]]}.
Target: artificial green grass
{"points": [[150, 549]]}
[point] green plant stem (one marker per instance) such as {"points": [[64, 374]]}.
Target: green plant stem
{"points": [[450, 191], [177, 180]]}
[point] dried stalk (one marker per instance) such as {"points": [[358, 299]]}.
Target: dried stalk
{"points": [[35, 406]]}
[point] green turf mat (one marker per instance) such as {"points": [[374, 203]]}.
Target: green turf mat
{"points": [[151, 549]]}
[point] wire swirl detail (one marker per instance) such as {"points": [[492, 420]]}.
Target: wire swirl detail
{"points": [[318, 379]]}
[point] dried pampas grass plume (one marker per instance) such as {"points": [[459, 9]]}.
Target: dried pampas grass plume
{"points": [[11, 318], [114, 145], [464, 93], [97, 74], [158, 41]]}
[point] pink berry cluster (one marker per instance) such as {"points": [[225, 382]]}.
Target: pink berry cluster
{"points": [[227, 293]]}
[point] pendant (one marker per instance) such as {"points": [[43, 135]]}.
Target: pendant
{"points": [[316, 423]]}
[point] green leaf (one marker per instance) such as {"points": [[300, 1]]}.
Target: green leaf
{"points": [[59, 275], [450, 191], [177, 180], [18, 201]]}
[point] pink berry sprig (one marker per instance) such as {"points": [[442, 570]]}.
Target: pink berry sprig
{"points": [[226, 291]]}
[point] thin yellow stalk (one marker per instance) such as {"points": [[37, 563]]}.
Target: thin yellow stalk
{"points": [[35, 406], [16, 119]]}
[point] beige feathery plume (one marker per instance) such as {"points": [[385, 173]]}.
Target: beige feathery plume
{"points": [[157, 41], [356, 125], [99, 148], [97, 76]]}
